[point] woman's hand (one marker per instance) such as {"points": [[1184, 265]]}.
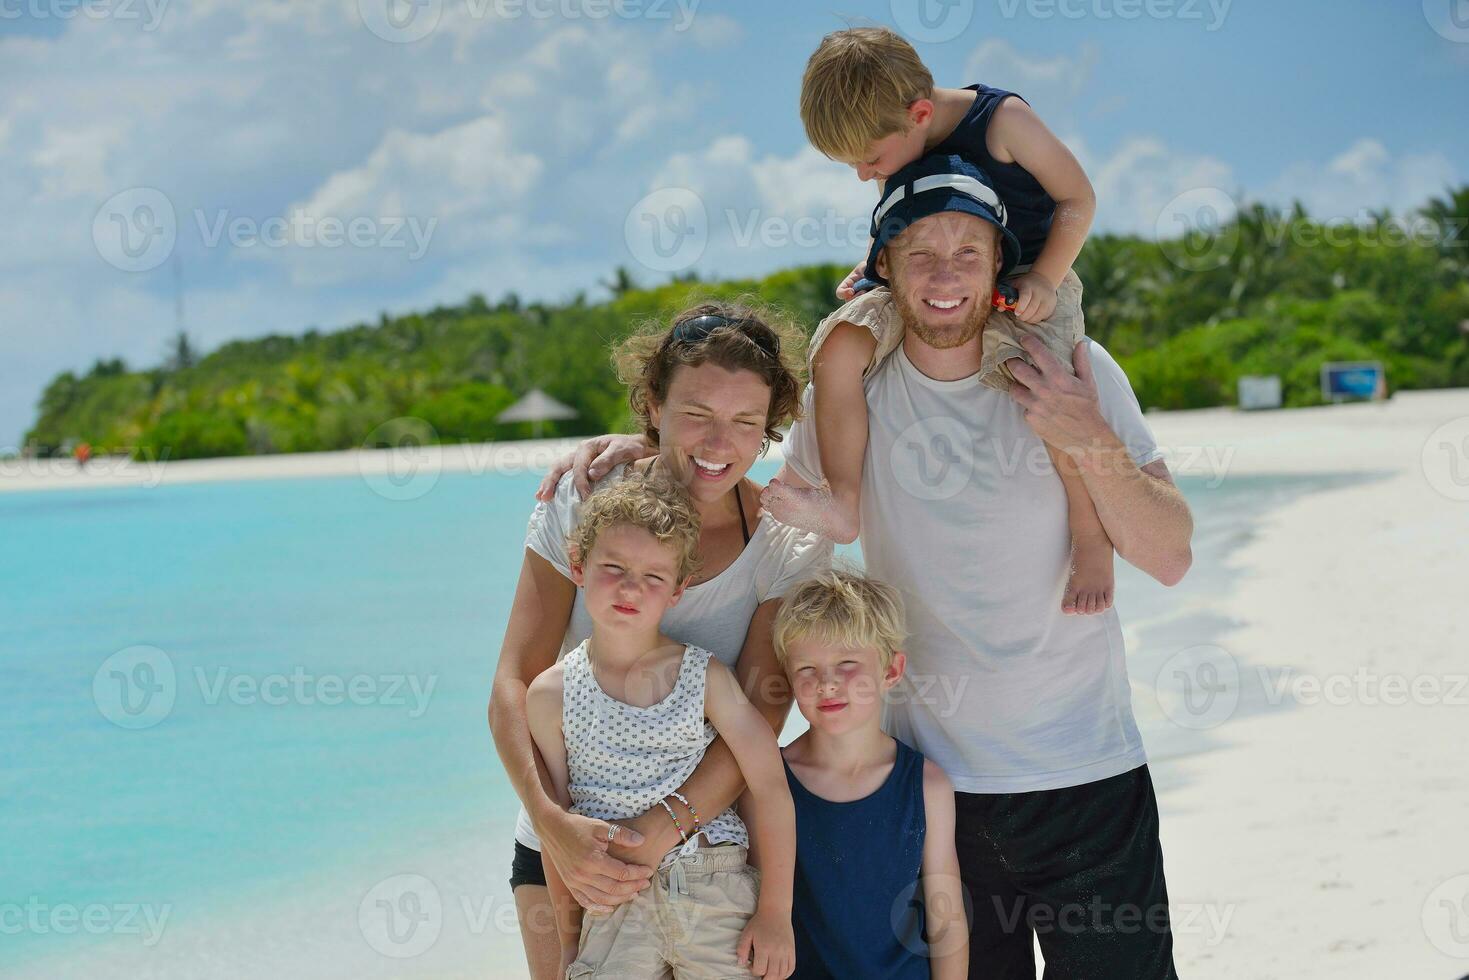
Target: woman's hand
{"points": [[651, 835], [593, 458], [578, 846]]}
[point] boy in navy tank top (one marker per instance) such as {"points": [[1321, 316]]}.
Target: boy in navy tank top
{"points": [[877, 889], [867, 100]]}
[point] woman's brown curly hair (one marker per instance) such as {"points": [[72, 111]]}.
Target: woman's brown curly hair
{"points": [[757, 339]]}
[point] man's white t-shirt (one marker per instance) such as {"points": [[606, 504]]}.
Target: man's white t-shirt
{"points": [[963, 512]]}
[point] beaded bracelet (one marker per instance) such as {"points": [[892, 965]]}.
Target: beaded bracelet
{"points": [[678, 826], [685, 801]]}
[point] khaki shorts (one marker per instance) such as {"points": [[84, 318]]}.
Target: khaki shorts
{"points": [[686, 924], [1000, 341]]}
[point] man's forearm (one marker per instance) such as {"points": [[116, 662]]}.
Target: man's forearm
{"points": [[1145, 516]]}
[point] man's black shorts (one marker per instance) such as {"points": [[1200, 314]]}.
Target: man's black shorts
{"points": [[1079, 868]]}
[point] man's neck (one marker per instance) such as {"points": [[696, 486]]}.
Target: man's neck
{"points": [[947, 364], [949, 106]]}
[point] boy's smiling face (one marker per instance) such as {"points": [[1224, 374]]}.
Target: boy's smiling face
{"points": [[839, 689], [630, 578]]}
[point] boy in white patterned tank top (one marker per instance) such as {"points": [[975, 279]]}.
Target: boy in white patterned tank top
{"points": [[623, 720]]}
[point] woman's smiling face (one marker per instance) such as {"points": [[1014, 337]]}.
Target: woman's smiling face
{"points": [[715, 417]]}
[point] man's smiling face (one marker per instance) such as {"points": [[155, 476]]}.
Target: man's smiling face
{"points": [[942, 272]]}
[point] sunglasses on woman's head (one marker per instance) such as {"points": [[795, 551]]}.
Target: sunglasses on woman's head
{"points": [[700, 327]]}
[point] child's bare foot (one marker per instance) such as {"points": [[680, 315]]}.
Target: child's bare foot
{"points": [[1089, 590], [811, 509]]}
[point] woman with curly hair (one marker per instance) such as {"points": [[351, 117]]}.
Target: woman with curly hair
{"points": [[709, 392]]}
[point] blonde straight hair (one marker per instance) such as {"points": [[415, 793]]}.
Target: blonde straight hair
{"points": [[857, 89]]}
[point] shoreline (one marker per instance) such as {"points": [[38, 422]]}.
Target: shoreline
{"points": [[1207, 442], [520, 456]]}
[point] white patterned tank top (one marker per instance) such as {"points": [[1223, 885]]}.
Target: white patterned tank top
{"points": [[622, 759]]}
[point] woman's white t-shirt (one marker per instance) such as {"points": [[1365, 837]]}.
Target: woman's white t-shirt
{"points": [[714, 614]]}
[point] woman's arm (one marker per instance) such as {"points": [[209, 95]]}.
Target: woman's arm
{"points": [[945, 924], [717, 783], [543, 712], [593, 458], [577, 844]]}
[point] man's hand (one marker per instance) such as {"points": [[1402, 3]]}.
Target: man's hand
{"points": [[1037, 300], [845, 291], [593, 458], [1063, 410]]}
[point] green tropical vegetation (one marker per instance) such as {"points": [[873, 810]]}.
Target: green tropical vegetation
{"points": [[1269, 292]]}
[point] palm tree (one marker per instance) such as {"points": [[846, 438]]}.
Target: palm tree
{"points": [[1450, 216], [182, 355], [621, 282]]}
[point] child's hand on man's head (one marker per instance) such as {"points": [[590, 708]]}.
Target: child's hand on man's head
{"points": [[1037, 299], [768, 945], [844, 291]]}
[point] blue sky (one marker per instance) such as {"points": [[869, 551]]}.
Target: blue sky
{"points": [[322, 164]]}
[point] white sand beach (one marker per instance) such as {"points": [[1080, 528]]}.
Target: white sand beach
{"points": [[386, 468], [1313, 804], [1329, 825]]}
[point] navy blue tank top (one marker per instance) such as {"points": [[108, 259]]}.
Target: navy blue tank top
{"points": [[857, 906], [1027, 205]]}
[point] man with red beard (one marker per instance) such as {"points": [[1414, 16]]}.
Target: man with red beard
{"points": [[1027, 709]]}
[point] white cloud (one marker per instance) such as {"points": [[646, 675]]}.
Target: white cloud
{"points": [[1365, 176], [454, 189], [73, 162], [1135, 184], [255, 111], [768, 211], [1054, 86], [574, 93], [1138, 180]]}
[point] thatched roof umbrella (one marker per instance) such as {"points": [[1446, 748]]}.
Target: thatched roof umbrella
{"points": [[536, 407]]}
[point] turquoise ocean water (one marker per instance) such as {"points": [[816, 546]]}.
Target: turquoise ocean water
{"points": [[331, 654]]}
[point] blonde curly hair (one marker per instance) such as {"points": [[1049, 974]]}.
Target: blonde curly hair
{"points": [[653, 501]]}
